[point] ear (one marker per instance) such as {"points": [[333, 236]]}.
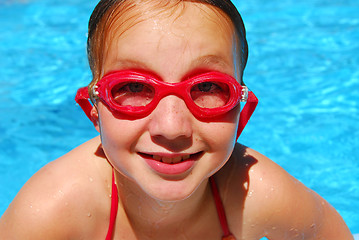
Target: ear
{"points": [[95, 118]]}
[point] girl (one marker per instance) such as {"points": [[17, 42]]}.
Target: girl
{"points": [[166, 92]]}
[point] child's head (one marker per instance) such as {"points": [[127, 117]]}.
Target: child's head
{"points": [[166, 74], [130, 12]]}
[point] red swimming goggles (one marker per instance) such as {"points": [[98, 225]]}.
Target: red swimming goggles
{"points": [[137, 94]]}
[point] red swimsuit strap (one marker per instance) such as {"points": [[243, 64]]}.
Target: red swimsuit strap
{"points": [[227, 235], [114, 207]]}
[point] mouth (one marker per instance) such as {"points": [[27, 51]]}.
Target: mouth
{"points": [[172, 158], [170, 164]]}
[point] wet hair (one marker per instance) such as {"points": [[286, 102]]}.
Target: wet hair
{"points": [[105, 9]]}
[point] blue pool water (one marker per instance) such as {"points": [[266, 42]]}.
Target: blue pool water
{"points": [[303, 66]]}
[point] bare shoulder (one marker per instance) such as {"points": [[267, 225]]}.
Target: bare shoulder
{"points": [[68, 193], [275, 204]]}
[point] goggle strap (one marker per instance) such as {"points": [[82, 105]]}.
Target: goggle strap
{"points": [[247, 112], [82, 98]]}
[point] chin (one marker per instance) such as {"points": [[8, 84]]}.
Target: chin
{"points": [[172, 191]]}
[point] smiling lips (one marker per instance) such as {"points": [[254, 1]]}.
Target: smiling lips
{"points": [[169, 165]]}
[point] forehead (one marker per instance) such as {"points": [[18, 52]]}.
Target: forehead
{"points": [[131, 12], [171, 24]]}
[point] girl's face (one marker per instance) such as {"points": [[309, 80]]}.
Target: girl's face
{"points": [[169, 153]]}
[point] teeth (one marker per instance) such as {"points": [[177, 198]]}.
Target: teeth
{"points": [[158, 158], [177, 159], [167, 160], [171, 160]]}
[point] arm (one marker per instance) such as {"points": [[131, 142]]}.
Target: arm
{"points": [[67, 199], [35, 211], [289, 210]]}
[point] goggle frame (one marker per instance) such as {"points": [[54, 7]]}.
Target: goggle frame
{"points": [[102, 89]]}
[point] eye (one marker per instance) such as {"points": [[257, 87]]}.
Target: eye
{"points": [[130, 88], [135, 87], [132, 94], [207, 87]]}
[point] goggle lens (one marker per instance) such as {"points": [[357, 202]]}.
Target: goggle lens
{"points": [[131, 93], [210, 94]]}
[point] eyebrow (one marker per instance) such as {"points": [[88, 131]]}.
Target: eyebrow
{"points": [[130, 63], [202, 63], [212, 61]]}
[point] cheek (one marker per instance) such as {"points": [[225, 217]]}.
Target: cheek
{"points": [[117, 135], [220, 135], [118, 138], [225, 127], [220, 139]]}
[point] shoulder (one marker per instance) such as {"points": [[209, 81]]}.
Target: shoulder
{"points": [[275, 204], [68, 193]]}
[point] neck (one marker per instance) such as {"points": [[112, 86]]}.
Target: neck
{"points": [[147, 214]]}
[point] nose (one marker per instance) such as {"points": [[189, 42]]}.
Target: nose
{"points": [[171, 120]]}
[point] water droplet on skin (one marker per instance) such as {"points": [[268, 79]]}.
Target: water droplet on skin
{"points": [[250, 193], [245, 185], [58, 195], [90, 179], [89, 215], [260, 179]]}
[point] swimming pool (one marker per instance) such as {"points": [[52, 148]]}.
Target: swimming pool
{"points": [[303, 66]]}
